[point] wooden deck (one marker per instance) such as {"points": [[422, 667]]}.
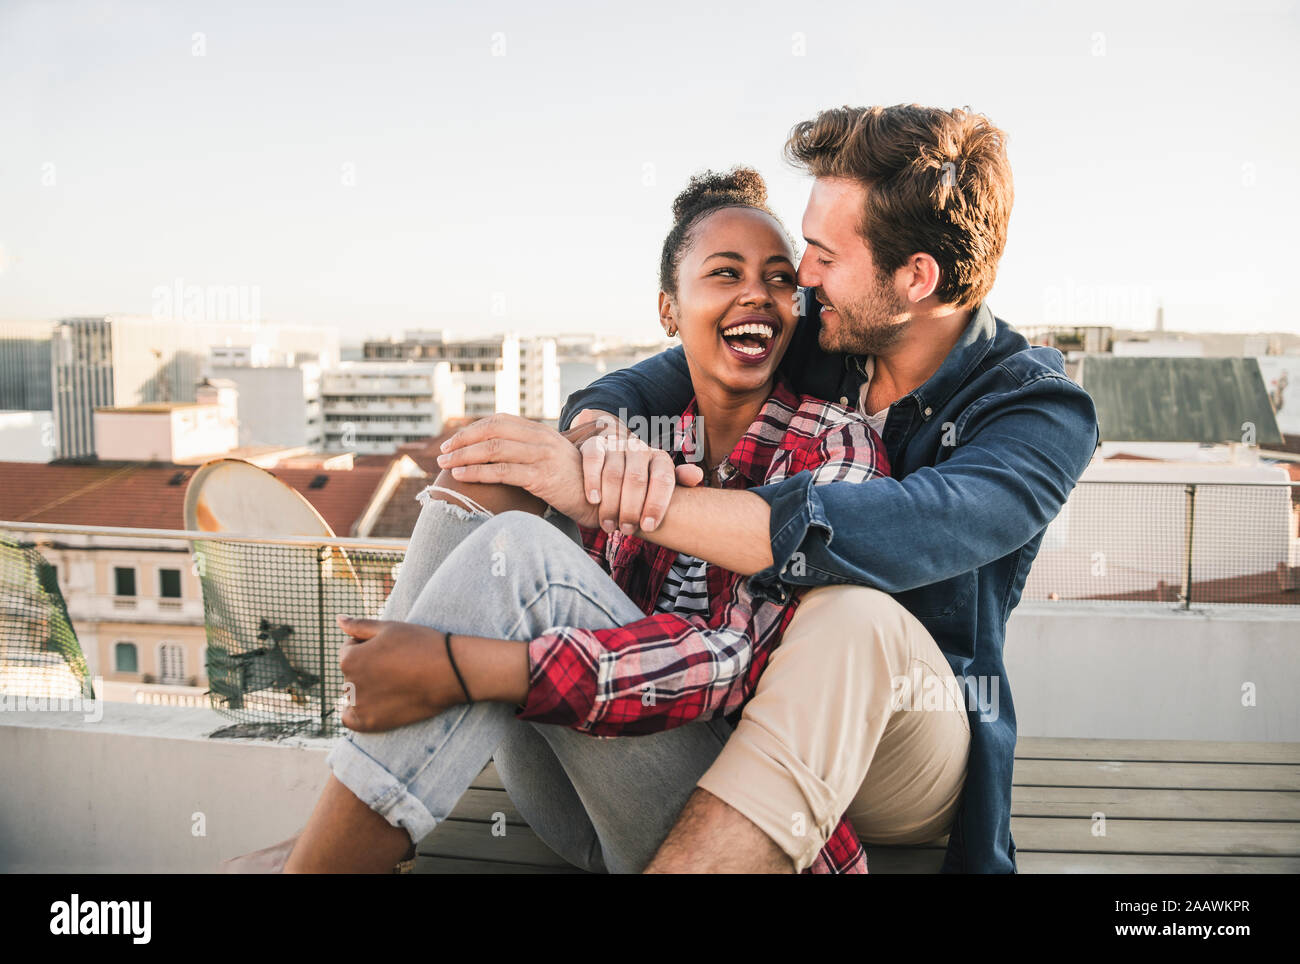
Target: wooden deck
{"points": [[1169, 806]]}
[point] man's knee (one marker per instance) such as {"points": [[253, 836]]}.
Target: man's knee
{"points": [[834, 624]]}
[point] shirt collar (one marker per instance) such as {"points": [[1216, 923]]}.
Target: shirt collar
{"points": [[757, 448]]}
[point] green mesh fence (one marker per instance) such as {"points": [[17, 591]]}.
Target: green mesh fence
{"points": [[272, 640], [39, 652]]}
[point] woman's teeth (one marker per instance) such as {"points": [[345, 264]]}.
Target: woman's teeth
{"points": [[749, 339], [764, 331]]}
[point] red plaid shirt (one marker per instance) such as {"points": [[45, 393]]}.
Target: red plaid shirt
{"points": [[673, 668]]}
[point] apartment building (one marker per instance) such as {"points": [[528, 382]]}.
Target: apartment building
{"points": [[501, 373], [372, 407], [25, 366], [116, 360], [279, 396]]}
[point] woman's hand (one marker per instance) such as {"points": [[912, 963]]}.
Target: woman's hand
{"points": [[517, 451], [394, 674]]}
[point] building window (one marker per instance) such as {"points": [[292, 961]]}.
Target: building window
{"points": [[169, 583], [123, 581], [171, 663], [125, 658]]}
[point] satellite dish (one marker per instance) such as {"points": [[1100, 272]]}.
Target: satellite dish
{"points": [[230, 495], [269, 609]]}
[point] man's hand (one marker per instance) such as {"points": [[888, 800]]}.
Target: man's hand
{"points": [[516, 451], [394, 674], [631, 482]]}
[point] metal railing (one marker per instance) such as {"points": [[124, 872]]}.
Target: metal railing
{"points": [[1186, 543], [269, 602]]}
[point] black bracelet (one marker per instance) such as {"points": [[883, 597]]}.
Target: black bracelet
{"points": [[446, 638]]}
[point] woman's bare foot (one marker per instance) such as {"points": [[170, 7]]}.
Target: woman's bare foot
{"points": [[268, 860]]}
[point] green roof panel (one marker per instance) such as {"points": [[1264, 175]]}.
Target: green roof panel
{"points": [[1207, 400]]}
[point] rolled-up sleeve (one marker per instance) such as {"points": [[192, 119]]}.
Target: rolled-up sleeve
{"points": [[649, 675], [1018, 457], [849, 454], [796, 517]]}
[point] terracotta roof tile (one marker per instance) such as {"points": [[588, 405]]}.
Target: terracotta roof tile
{"points": [[397, 519], [141, 495]]}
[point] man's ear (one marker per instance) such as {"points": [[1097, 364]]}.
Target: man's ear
{"points": [[920, 276]]}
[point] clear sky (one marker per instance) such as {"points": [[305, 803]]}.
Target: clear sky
{"points": [[511, 165]]}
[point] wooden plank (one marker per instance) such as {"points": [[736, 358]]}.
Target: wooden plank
{"points": [[456, 865], [1171, 807], [474, 841], [1073, 863], [1155, 804], [1205, 837], [1186, 776], [484, 805], [1166, 751], [1270, 775], [489, 779]]}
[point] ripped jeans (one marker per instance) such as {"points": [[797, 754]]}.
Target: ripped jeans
{"points": [[604, 805]]}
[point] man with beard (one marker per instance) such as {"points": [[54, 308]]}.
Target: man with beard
{"points": [[905, 225]]}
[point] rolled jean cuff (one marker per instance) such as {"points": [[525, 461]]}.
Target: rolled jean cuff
{"points": [[380, 790], [759, 776]]}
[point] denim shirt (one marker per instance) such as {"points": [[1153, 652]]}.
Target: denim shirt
{"points": [[984, 455]]}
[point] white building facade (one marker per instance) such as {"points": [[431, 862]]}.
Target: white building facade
{"points": [[373, 407], [502, 373], [26, 436]]}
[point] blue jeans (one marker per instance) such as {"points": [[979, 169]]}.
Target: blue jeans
{"points": [[604, 805]]}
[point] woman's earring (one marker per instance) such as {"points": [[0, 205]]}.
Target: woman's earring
{"points": [[672, 330]]}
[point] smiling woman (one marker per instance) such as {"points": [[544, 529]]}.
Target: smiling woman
{"points": [[517, 638], [727, 284]]}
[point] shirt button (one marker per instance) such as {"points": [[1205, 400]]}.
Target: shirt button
{"points": [[928, 411]]}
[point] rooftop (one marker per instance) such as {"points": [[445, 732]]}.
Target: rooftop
{"points": [[152, 495], [1178, 399]]}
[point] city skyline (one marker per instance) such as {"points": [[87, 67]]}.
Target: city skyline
{"points": [[428, 170]]}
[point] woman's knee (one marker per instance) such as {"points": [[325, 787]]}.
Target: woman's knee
{"points": [[514, 541], [515, 529], [495, 499]]}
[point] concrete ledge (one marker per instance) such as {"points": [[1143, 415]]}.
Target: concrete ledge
{"points": [[128, 794], [1147, 671]]}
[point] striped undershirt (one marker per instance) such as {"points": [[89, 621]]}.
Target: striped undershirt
{"points": [[686, 587]]}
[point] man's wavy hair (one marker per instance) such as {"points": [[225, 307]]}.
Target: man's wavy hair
{"points": [[938, 182]]}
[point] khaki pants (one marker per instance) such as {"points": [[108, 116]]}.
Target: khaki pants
{"points": [[856, 714]]}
